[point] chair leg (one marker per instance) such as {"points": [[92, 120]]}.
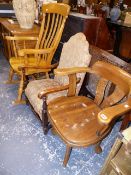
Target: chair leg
{"points": [[53, 131], [47, 75], [10, 77], [45, 116], [126, 121], [20, 91], [98, 148], [67, 155]]}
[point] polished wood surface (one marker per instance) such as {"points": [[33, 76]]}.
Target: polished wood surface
{"points": [[82, 124], [9, 29], [127, 2], [31, 55], [91, 26], [89, 85], [122, 35], [14, 29], [125, 47]]}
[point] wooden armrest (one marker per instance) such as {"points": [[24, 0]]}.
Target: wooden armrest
{"points": [[55, 89], [38, 67], [23, 52], [52, 90], [21, 38], [68, 71], [110, 113]]}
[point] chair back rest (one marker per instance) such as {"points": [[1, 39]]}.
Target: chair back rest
{"points": [[75, 53], [52, 25], [111, 75]]}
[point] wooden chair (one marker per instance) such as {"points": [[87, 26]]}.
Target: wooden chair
{"points": [[84, 121], [74, 53], [38, 59]]}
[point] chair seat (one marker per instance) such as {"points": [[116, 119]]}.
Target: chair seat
{"points": [[32, 61], [75, 120], [35, 87]]}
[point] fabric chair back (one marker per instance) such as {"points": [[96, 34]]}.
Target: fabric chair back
{"points": [[75, 53]]}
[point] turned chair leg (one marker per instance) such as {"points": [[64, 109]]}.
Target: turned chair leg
{"points": [[45, 116], [67, 155], [10, 77], [53, 131], [47, 75], [45, 125], [20, 92], [98, 148]]}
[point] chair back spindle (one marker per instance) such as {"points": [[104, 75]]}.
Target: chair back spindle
{"points": [[116, 76]]}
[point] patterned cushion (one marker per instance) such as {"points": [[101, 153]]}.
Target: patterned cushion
{"points": [[35, 87], [75, 53]]}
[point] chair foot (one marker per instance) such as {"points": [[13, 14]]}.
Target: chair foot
{"points": [[98, 148], [46, 128], [53, 131], [11, 82], [18, 102], [45, 131], [67, 155]]}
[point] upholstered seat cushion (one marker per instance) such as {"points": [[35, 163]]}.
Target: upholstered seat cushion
{"points": [[36, 86]]}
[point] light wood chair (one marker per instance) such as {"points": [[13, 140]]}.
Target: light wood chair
{"points": [[31, 55], [85, 121]]}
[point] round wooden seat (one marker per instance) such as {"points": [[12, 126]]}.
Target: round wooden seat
{"points": [[75, 120]]}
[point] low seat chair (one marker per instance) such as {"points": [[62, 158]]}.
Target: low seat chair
{"points": [[85, 121], [26, 60], [74, 53]]}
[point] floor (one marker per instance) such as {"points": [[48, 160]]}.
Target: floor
{"points": [[24, 150]]}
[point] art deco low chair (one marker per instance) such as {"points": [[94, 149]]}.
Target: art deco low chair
{"points": [[75, 53], [81, 121], [37, 53]]}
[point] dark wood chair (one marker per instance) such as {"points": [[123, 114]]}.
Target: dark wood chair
{"points": [[88, 87], [84, 121]]}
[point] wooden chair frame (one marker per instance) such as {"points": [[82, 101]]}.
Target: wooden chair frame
{"points": [[108, 114], [40, 56]]}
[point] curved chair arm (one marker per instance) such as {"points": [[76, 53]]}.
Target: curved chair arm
{"points": [[68, 71], [55, 89], [110, 113], [52, 90], [24, 52], [38, 67], [21, 38]]}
